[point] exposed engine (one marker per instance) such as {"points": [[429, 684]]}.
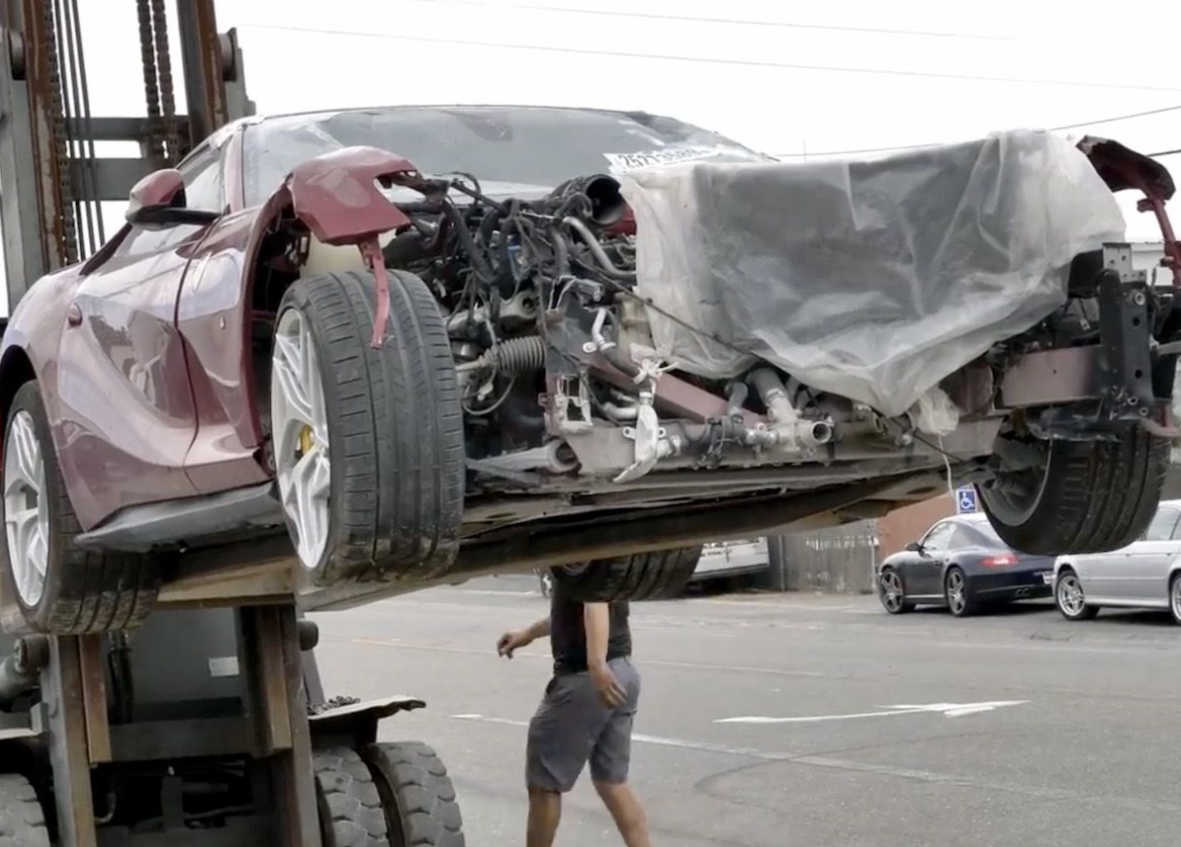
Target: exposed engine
{"points": [[550, 340]]}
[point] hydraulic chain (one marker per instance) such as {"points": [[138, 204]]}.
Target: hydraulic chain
{"points": [[155, 146], [167, 94], [58, 136]]}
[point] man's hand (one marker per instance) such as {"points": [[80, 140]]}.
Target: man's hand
{"points": [[610, 691], [510, 641]]}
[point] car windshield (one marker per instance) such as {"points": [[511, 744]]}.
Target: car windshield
{"points": [[513, 150]]}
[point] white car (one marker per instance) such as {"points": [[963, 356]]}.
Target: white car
{"points": [[1146, 574], [732, 558]]}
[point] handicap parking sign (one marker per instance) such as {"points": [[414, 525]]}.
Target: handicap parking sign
{"points": [[965, 500]]}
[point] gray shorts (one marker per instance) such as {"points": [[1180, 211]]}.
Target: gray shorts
{"points": [[573, 726]]}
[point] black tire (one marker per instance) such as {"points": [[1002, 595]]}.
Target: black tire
{"points": [[1063, 584], [885, 594], [965, 604], [395, 428], [22, 819], [85, 591], [1175, 597], [419, 798], [662, 575], [1089, 496], [351, 813]]}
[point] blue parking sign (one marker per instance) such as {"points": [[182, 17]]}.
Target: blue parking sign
{"points": [[965, 500]]}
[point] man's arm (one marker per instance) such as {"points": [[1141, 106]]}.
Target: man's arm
{"points": [[510, 641], [597, 622]]}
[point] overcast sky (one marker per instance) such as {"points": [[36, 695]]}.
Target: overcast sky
{"points": [[788, 78]]}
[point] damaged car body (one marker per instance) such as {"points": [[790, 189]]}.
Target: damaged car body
{"points": [[409, 345]]}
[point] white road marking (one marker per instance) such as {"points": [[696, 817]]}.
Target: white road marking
{"points": [[950, 710], [1042, 792]]}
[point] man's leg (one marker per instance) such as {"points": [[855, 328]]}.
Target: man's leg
{"points": [[611, 759], [545, 812], [627, 812]]}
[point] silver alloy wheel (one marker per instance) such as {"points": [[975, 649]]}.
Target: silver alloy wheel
{"points": [[957, 597], [26, 509], [1175, 598], [892, 593], [299, 424], [1070, 595]]}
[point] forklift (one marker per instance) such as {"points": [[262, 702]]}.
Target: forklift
{"points": [[209, 724]]}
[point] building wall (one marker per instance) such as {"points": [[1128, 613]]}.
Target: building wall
{"points": [[907, 524]]}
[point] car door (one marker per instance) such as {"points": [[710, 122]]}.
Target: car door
{"points": [[127, 411], [926, 570], [1151, 557], [1108, 575]]}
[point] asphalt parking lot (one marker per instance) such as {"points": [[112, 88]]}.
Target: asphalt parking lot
{"points": [[854, 728]]}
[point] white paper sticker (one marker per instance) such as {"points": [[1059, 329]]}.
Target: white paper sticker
{"points": [[223, 666], [624, 162]]}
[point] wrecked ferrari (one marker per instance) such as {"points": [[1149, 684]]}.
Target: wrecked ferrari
{"points": [[354, 353]]}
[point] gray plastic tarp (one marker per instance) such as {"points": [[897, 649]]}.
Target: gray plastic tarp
{"points": [[873, 280]]}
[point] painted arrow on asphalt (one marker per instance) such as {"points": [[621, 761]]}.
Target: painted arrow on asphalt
{"points": [[948, 710]]}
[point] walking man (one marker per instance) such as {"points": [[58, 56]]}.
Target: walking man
{"points": [[585, 716]]}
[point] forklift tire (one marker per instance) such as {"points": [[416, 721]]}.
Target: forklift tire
{"points": [[419, 799], [1087, 497], [22, 820], [81, 591], [392, 424], [350, 808], [662, 575]]}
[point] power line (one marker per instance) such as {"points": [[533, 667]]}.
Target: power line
{"points": [[1164, 153], [653, 16], [705, 60], [1110, 120]]}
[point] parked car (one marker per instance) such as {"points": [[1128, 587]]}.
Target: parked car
{"points": [[726, 559], [961, 563], [1146, 574], [348, 354]]}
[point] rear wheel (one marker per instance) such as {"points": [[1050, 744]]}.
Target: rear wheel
{"points": [[1070, 599], [958, 593], [22, 820], [417, 794], [368, 444], [892, 592], [61, 589], [1076, 496], [661, 575]]}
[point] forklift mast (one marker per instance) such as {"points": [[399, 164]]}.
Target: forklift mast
{"points": [[49, 159], [198, 728]]}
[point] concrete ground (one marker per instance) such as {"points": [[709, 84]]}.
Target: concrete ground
{"points": [[1023, 729]]}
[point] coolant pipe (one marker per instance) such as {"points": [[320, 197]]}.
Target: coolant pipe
{"points": [[596, 248], [738, 392], [793, 433]]}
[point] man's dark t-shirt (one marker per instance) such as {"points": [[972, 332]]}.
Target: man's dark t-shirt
{"points": [[568, 633]]}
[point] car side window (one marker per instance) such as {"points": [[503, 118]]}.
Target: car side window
{"points": [[1163, 526], [961, 537], [938, 539]]}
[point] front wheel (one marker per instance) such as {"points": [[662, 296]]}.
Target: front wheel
{"points": [[417, 795], [1175, 597], [958, 593], [368, 444], [662, 575], [1070, 599], [892, 593], [1076, 496]]}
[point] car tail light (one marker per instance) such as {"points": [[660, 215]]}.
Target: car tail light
{"points": [[1001, 561]]}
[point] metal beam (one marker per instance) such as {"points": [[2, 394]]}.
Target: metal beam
{"points": [[204, 68], [113, 178]]}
